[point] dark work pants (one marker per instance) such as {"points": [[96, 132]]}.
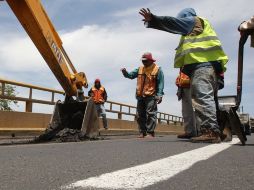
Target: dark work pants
{"points": [[147, 114]]}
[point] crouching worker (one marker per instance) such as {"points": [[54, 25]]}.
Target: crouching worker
{"points": [[150, 85], [99, 95]]}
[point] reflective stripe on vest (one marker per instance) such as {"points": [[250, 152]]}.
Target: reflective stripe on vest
{"points": [[204, 47], [146, 81], [98, 95]]}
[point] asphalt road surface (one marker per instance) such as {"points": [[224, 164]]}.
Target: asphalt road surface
{"points": [[150, 164]]}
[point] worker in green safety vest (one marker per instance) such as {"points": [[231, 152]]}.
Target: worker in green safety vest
{"points": [[201, 57]]}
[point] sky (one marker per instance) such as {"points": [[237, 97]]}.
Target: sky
{"points": [[103, 36]]}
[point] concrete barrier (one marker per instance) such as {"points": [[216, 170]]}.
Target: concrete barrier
{"points": [[26, 123]]}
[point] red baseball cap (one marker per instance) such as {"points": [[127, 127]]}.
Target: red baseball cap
{"points": [[97, 80], [147, 56]]}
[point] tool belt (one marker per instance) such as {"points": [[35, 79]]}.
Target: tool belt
{"points": [[183, 80]]}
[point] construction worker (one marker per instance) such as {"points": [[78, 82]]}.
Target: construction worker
{"points": [[184, 94], [99, 95], [149, 92], [201, 57]]}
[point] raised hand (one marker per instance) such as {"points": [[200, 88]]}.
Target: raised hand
{"points": [[124, 71], [146, 13]]}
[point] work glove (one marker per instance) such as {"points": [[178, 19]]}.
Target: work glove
{"points": [[158, 99], [220, 81], [124, 71]]}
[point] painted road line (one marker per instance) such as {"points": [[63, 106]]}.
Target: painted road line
{"points": [[144, 175]]}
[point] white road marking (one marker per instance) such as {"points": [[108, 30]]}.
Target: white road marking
{"points": [[144, 175]]}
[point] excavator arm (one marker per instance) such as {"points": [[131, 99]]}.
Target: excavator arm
{"points": [[40, 29], [71, 116]]}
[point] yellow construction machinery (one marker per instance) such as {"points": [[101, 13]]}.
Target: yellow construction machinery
{"points": [[75, 113]]}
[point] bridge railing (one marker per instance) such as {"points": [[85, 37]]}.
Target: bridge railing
{"points": [[28, 100], [111, 107]]}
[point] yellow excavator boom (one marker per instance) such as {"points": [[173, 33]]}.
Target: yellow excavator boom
{"points": [[38, 26], [78, 115]]}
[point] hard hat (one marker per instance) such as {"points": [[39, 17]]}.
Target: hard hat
{"points": [[148, 56]]}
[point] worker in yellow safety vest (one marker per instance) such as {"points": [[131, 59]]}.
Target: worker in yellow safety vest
{"points": [[149, 92], [99, 95], [201, 57]]}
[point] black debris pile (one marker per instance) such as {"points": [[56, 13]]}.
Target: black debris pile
{"points": [[67, 123], [70, 135]]}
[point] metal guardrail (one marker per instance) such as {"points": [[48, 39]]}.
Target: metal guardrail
{"points": [[29, 100], [124, 109]]}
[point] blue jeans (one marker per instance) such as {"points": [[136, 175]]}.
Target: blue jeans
{"points": [[101, 111], [203, 88]]}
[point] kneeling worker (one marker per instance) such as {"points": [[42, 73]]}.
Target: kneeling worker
{"points": [[99, 95], [150, 85]]}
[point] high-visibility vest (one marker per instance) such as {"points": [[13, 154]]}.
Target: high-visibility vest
{"points": [[147, 80], [205, 47], [98, 95]]}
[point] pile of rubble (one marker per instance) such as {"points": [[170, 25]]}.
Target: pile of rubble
{"points": [[72, 122]]}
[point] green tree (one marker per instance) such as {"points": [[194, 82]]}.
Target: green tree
{"points": [[8, 91]]}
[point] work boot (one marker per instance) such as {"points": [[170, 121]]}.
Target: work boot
{"points": [[185, 136], [207, 137], [142, 135], [149, 136]]}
